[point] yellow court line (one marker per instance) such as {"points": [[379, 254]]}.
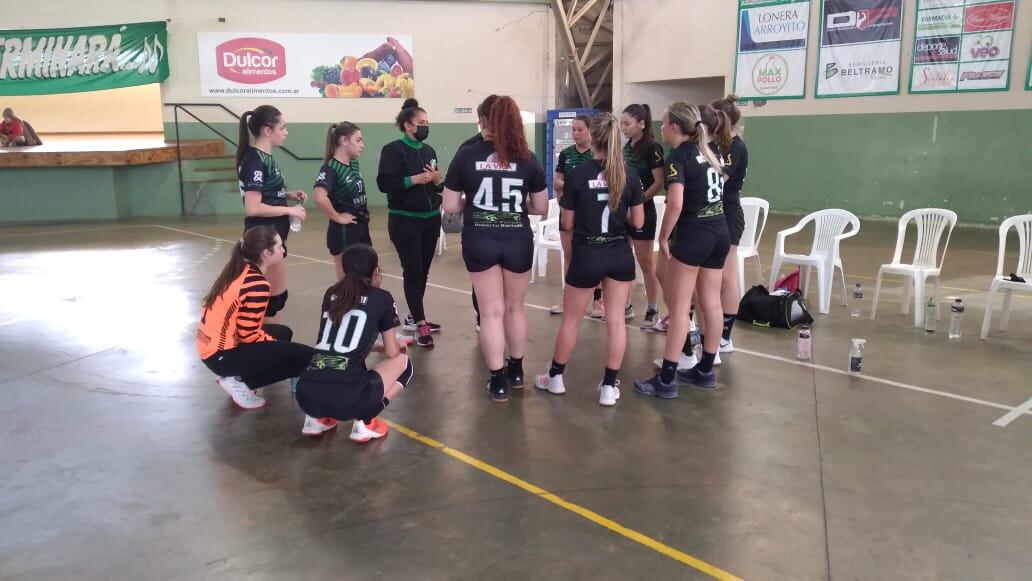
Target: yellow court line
{"points": [[953, 288], [695, 563]]}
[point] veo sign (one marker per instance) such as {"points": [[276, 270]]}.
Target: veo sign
{"points": [[251, 60]]}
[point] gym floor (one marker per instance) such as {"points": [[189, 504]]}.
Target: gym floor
{"points": [[122, 459]]}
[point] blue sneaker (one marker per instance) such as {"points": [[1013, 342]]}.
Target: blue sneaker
{"points": [[705, 380], [654, 387]]}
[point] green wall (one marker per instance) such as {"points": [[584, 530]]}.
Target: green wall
{"points": [[977, 163]]}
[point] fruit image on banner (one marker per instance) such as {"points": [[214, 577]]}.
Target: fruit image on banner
{"points": [[329, 66], [964, 47], [771, 50]]}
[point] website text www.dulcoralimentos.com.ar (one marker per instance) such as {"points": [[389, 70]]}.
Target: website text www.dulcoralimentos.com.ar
{"points": [[253, 91]]}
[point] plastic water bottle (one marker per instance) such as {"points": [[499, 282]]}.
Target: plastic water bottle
{"points": [[930, 314], [856, 356], [295, 223], [804, 346], [956, 318], [858, 298]]}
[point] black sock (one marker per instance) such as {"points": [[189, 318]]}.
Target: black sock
{"points": [[556, 369], [706, 365], [515, 364], [498, 377], [598, 294], [668, 371], [688, 348], [610, 377], [729, 322], [476, 304]]}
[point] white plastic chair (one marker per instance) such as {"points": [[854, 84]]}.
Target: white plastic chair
{"points": [[931, 224], [756, 211], [442, 243], [1023, 224], [830, 229], [546, 238]]}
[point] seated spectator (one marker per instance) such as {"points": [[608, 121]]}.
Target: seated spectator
{"points": [[12, 131]]}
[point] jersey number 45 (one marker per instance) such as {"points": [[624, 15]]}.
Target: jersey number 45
{"points": [[511, 198]]}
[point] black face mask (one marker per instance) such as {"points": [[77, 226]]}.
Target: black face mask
{"points": [[422, 132]]}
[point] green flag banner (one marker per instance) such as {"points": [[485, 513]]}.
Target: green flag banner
{"points": [[90, 58]]}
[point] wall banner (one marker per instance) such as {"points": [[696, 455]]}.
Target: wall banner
{"points": [[90, 58], [860, 48], [962, 45], [770, 61], [350, 66]]}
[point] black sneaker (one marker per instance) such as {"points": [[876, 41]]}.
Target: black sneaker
{"points": [[498, 389], [515, 375], [649, 323], [409, 325], [654, 387], [423, 338], [706, 381]]}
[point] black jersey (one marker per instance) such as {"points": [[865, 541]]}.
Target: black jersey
{"points": [[258, 172], [345, 186], [496, 195], [587, 194], [478, 138], [703, 185], [570, 158], [736, 163], [342, 348], [653, 159]]}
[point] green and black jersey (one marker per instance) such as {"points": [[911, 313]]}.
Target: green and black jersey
{"points": [[570, 158], [653, 159], [258, 172], [345, 186]]}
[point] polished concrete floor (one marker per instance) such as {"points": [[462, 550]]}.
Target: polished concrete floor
{"points": [[121, 459]]}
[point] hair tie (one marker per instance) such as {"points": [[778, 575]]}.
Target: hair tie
{"points": [[241, 243]]}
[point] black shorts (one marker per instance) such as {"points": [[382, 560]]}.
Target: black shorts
{"points": [[735, 223], [480, 252], [280, 223], [704, 243], [590, 264], [648, 229], [354, 396], [340, 236]]}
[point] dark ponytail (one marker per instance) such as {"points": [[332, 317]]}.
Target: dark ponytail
{"points": [[408, 110], [641, 113], [334, 134], [248, 250], [360, 262], [251, 123]]}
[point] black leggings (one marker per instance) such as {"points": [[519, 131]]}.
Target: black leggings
{"points": [[263, 363], [415, 240]]}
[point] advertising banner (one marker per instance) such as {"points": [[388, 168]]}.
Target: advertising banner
{"points": [[329, 66], [860, 47], [965, 46], [770, 60], [91, 58]]}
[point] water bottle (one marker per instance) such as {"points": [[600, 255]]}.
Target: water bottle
{"points": [[956, 318], [295, 223], [804, 347], [696, 342], [930, 314], [856, 356], [858, 297]]}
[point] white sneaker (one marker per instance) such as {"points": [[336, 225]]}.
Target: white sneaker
{"points": [[553, 385], [727, 346], [362, 432], [716, 361], [628, 312], [409, 325], [686, 362], [557, 309], [598, 310], [608, 395], [317, 426], [242, 395]]}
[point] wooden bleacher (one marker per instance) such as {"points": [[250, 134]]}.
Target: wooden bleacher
{"points": [[107, 150]]}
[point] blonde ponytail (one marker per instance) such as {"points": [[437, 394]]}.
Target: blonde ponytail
{"points": [[605, 135], [697, 124]]}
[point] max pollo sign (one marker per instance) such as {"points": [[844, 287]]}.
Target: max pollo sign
{"points": [[251, 60]]}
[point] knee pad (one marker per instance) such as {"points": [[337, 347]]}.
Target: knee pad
{"points": [[276, 304], [406, 376]]}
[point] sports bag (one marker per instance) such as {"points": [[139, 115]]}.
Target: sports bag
{"points": [[763, 309]]}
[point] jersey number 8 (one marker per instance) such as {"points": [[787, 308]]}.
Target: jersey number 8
{"points": [[512, 195], [349, 333], [716, 186]]}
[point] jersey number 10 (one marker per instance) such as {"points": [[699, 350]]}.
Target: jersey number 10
{"points": [[512, 195], [349, 333]]}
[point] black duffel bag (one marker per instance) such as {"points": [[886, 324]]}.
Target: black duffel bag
{"points": [[763, 309]]}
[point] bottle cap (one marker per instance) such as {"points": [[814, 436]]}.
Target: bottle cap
{"points": [[858, 341]]}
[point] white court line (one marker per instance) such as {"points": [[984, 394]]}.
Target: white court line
{"points": [[1017, 411], [1013, 414], [75, 231]]}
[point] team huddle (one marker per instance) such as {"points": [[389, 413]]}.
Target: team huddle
{"points": [[608, 221]]}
